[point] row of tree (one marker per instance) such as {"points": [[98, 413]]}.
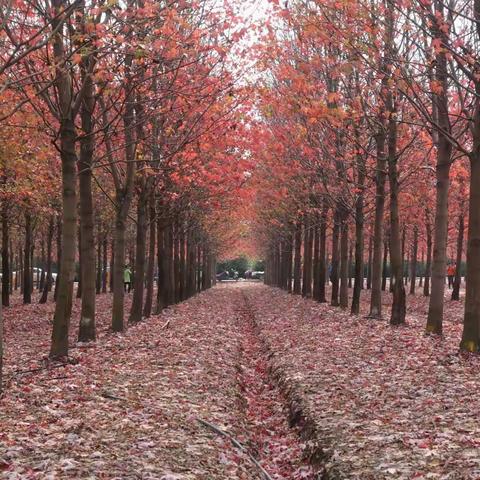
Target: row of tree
{"points": [[119, 127], [371, 124]]}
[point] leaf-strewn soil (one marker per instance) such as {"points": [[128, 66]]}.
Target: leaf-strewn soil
{"points": [[380, 402], [128, 406]]}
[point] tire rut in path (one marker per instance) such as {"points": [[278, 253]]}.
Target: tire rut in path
{"points": [[275, 445]]}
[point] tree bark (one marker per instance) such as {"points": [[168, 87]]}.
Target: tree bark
{"points": [[43, 263], [27, 277], [471, 323], [98, 282], [191, 268], [63, 306], [147, 310], [334, 275], [140, 251], [297, 268], [80, 264], [350, 266], [359, 237], [163, 294], [458, 274], [413, 263], [181, 264], [1, 349], [87, 328], [444, 150], [322, 274], [12, 266], [369, 266], [112, 264], [289, 272], [376, 293], [396, 277], [5, 259], [344, 265], [118, 271], [385, 263], [48, 281], [428, 265], [176, 264], [307, 261], [105, 263], [316, 262]]}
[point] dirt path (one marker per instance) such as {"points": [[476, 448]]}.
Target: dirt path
{"points": [[130, 408], [272, 440]]}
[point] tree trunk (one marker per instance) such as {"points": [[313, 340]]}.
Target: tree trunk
{"points": [[5, 259], [163, 260], [289, 260], [458, 263], [199, 268], [20, 257], [439, 261], [359, 240], [27, 277], [63, 306], [422, 260], [48, 281], [1, 349], [17, 272], [413, 263], [105, 263], [118, 272], [98, 282], [471, 324], [87, 329], [344, 265], [334, 275], [162, 277], [428, 265], [369, 266], [176, 264], [147, 310], [307, 261], [316, 263], [297, 268], [112, 264], [80, 264], [376, 294], [444, 150], [140, 251], [190, 265], [322, 255], [385, 263], [404, 252], [181, 264], [350, 267], [43, 262], [11, 267], [396, 276], [59, 255]]}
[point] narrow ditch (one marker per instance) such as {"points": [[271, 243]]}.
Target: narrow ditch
{"points": [[273, 438]]}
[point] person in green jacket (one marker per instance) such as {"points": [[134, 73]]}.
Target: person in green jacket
{"points": [[127, 279]]}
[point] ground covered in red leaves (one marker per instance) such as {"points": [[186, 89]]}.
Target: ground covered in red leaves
{"points": [[377, 402], [159, 402], [241, 382]]}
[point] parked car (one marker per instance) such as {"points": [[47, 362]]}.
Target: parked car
{"points": [[222, 276], [257, 275]]}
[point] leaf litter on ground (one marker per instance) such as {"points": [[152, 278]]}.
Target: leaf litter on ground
{"points": [[127, 406]]}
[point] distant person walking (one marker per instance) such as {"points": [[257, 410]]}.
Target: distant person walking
{"points": [[127, 279], [451, 271]]}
